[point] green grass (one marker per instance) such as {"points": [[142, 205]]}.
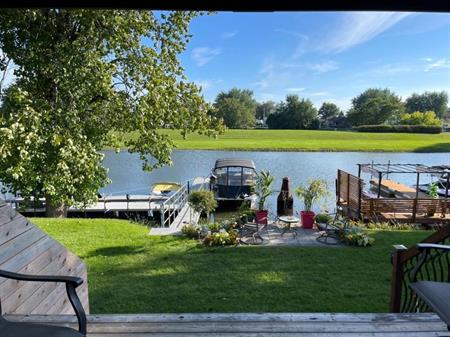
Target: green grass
{"points": [[131, 272], [309, 140]]}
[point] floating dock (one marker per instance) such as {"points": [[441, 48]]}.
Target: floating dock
{"points": [[163, 210]]}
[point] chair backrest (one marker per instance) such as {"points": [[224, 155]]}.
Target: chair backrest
{"points": [[24, 248]]}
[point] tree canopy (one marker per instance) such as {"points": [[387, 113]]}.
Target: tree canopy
{"points": [[420, 118], [264, 109], [236, 107], [328, 112], [83, 78], [375, 106], [428, 101], [294, 114]]}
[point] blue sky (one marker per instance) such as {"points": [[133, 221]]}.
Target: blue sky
{"points": [[321, 56]]}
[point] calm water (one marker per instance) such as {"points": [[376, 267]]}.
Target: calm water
{"points": [[127, 176]]}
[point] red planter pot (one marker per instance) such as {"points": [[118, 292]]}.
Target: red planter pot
{"points": [[261, 216], [307, 219]]}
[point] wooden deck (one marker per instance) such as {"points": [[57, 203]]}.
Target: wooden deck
{"points": [[255, 324]]}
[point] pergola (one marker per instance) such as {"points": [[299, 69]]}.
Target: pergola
{"points": [[381, 170]]}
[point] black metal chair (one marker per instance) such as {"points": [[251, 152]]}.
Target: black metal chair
{"points": [[21, 329], [251, 230], [435, 294], [330, 231]]}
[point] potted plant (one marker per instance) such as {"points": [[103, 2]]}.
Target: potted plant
{"points": [[433, 194], [263, 189], [316, 189], [202, 202]]}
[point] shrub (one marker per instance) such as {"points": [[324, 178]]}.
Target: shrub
{"points": [[221, 238], [214, 227], [385, 225], [421, 118], [323, 218], [357, 237], [202, 201], [399, 128], [191, 231]]}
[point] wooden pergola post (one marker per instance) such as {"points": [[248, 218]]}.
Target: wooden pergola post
{"points": [[380, 175]]}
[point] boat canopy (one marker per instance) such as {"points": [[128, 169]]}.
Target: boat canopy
{"points": [[232, 162]]}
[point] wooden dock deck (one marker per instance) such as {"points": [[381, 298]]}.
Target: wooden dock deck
{"points": [[254, 324]]}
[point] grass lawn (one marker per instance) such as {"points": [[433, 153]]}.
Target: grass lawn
{"points": [[131, 272], [310, 140]]}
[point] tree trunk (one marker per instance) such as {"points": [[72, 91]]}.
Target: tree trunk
{"points": [[55, 210]]}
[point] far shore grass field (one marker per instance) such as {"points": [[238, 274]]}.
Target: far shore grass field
{"points": [[313, 140], [132, 272]]}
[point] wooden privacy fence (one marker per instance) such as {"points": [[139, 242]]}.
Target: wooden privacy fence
{"points": [[24, 248], [403, 262], [349, 193]]}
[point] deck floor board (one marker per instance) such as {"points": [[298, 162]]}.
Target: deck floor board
{"points": [[253, 324]]}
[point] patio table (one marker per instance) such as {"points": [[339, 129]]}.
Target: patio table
{"points": [[288, 221]]}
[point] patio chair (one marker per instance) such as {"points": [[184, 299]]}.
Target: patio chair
{"points": [[331, 230], [251, 230], [436, 295], [21, 329]]}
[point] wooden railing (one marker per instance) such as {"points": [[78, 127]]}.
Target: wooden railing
{"points": [[403, 262], [410, 208]]}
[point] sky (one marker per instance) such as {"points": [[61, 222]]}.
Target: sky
{"points": [[322, 56]]}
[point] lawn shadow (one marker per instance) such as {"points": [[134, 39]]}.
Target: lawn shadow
{"points": [[116, 251], [438, 147]]}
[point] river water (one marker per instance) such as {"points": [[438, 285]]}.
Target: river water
{"points": [[125, 169]]}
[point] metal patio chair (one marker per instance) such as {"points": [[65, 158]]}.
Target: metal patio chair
{"points": [[434, 263], [21, 329], [331, 230]]}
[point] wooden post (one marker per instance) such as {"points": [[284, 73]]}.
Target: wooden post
{"points": [[446, 186], [348, 196], [417, 185], [338, 190], [380, 175], [414, 215], [397, 278], [359, 198]]}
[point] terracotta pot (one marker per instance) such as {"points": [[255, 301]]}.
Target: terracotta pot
{"points": [[307, 219], [261, 216]]}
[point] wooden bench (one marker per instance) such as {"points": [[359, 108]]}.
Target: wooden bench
{"points": [[26, 249]]}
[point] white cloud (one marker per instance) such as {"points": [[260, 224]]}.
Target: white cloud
{"points": [[389, 69], [295, 89], [320, 93], [229, 35], [271, 75], [202, 55], [359, 27], [441, 63], [323, 67]]}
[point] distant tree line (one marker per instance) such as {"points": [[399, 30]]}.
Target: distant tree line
{"points": [[239, 110]]}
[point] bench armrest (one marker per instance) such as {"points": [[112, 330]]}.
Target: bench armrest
{"points": [[428, 253], [71, 282], [75, 281], [424, 246]]}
